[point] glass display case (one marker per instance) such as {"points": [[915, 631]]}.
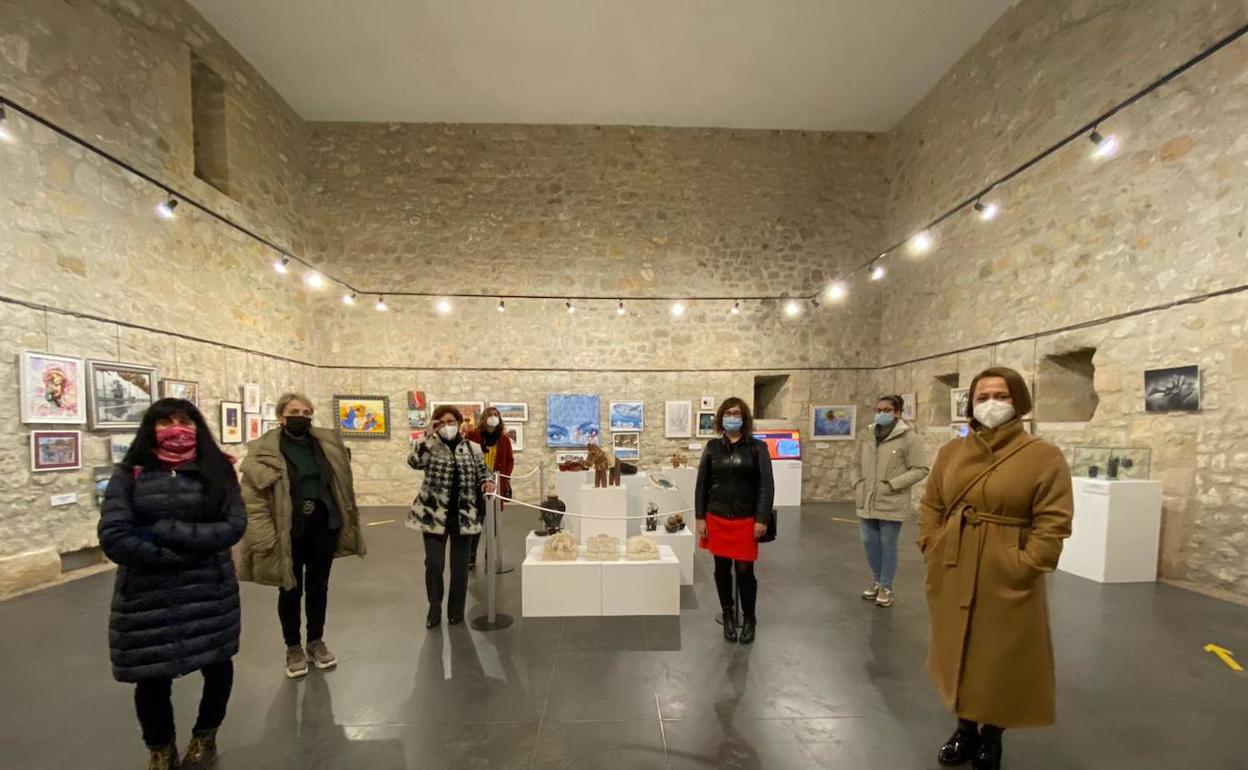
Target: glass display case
{"points": [[1112, 463]]}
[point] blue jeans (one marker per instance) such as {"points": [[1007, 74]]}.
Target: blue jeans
{"points": [[879, 538]]}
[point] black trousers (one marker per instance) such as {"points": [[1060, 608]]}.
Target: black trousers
{"points": [[435, 565], [747, 583], [154, 704], [313, 555]]}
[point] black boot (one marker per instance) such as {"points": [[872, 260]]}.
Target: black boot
{"points": [[730, 624], [201, 753], [961, 746], [747, 631], [988, 757], [434, 618], [163, 757]]}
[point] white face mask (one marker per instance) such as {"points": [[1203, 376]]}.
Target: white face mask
{"points": [[448, 432], [491, 421], [993, 413]]}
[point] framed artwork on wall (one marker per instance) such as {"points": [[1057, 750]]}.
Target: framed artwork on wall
{"points": [[231, 422], [567, 457], [416, 399], [268, 410], [471, 410], [255, 426], [55, 450], [366, 417], [626, 416], [52, 389], [909, 407], [1172, 390], [627, 446], [251, 398], [572, 419], [183, 389], [269, 425], [959, 404], [678, 419], [833, 422], [120, 394], [707, 404], [706, 425], [118, 445], [515, 432], [512, 411]]}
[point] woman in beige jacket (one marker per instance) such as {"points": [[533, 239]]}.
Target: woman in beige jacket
{"points": [[891, 460]]}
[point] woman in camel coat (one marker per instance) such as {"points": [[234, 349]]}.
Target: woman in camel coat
{"points": [[997, 507]]}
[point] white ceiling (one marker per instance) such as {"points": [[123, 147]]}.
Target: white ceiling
{"points": [[852, 65]]}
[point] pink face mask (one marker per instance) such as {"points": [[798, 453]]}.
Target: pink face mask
{"points": [[175, 444]]}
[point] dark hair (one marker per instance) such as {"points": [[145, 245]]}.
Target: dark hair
{"points": [[502, 424], [447, 409], [1019, 392], [747, 417], [899, 403], [215, 470]]}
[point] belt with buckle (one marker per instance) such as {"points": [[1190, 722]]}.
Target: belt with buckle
{"points": [[309, 507]]}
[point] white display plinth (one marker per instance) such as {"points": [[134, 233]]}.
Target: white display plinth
{"points": [[683, 544], [552, 589], [1116, 531], [788, 479], [568, 486], [534, 540], [668, 500], [686, 479], [642, 587], [604, 501], [635, 486]]}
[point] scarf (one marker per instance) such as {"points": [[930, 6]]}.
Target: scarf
{"points": [[175, 445]]}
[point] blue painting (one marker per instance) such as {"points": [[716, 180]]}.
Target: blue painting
{"points": [[627, 415], [572, 420], [833, 423]]}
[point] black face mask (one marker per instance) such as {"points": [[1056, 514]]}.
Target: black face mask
{"points": [[298, 427]]}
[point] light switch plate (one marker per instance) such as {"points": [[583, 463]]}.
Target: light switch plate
{"points": [[69, 498], [695, 447]]}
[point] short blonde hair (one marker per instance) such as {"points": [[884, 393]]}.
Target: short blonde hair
{"points": [[286, 398]]}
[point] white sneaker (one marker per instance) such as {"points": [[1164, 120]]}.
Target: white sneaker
{"points": [[872, 592], [885, 599]]}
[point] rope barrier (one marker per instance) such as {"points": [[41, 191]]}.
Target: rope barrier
{"points": [[585, 515], [524, 476]]}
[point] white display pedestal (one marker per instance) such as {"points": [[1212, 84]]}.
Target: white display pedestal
{"points": [[635, 486], [552, 589], [604, 501], [568, 486], [687, 481], [642, 587], [533, 540], [1116, 532], [683, 544], [788, 478]]}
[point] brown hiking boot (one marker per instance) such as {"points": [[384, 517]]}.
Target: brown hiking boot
{"points": [[201, 752], [296, 664], [163, 757], [320, 655]]}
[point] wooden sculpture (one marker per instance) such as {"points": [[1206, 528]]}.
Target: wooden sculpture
{"points": [[597, 459]]}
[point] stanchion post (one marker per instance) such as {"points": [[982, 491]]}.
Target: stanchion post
{"points": [[500, 567], [492, 619]]}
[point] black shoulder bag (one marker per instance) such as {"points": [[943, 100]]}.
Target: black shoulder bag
{"points": [[770, 534]]}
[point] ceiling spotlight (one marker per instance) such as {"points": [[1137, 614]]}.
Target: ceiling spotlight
{"points": [[166, 207], [878, 271], [1105, 145], [619, 309], [736, 308], [502, 306], [678, 309], [282, 265], [381, 304], [314, 280], [987, 211], [444, 306], [570, 306], [5, 134], [349, 299], [836, 291], [792, 308], [921, 242]]}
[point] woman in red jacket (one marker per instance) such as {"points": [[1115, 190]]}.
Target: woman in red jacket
{"points": [[491, 435]]}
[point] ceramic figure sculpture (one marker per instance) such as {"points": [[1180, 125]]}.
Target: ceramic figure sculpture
{"points": [[675, 522], [597, 459], [614, 480], [551, 522], [628, 469], [642, 548], [652, 517], [680, 460], [559, 547], [602, 548], [661, 481]]}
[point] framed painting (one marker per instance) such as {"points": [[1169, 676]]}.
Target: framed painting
{"points": [[627, 415], [55, 450], [366, 417], [120, 394], [909, 406], [572, 419], [100, 476], [268, 410], [678, 419], [118, 446], [255, 426], [416, 436], [231, 422], [707, 404], [706, 425], [1172, 390], [515, 431], [269, 425], [183, 389], [416, 400], [565, 457], [833, 422], [52, 389], [626, 446], [471, 410], [251, 398], [512, 411], [959, 404]]}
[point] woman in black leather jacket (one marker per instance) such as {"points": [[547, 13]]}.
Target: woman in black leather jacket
{"points": [[733, 505]]}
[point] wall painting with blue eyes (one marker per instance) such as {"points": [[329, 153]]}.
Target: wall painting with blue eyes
{"points": [[571, 420]]}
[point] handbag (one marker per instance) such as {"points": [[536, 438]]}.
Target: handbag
{"points": [[770, 535], [480, 494]]}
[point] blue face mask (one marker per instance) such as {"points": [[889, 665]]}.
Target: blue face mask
{"points": [[885, 419], [733, 424]]}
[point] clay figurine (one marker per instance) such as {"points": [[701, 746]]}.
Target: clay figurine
{"points": [[642, 548], [1115, 463], [662, 482], [551, 521], [602, 548], [597, 459], [680, 460], [614, 480], [675, 522], [652, 517], [559, 547], [1093, 471]]}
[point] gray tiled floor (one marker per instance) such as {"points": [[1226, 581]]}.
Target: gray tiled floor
{"points": [[831, 683]]}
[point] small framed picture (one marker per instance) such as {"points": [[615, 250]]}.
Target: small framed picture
{"points": [[833, 422], [183, 389], [268, 410], [251, 398], [566, 457], [512, 411], [120, 394], [100, 476], [416, 436], [1172, 390], [909, 403], [52, 389], [363, 416], [626, 446], [270, 425], [118, 446], [706, 425], [708, 404], [231, 422], [515, 432], [627, 415], [55, 450], [959, 405], [255, 426], [677, 419]]}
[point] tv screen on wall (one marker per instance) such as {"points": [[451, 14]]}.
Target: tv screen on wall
{"points": [[782, 444]]}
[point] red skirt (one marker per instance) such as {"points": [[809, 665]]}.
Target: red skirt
{"points": [[730, 538]]}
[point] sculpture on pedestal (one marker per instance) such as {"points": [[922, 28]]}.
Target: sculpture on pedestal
{"points": [[602, 548], [559, 547], [675, 522], [551, 522], [597, 459], [652, 517], [680, 460], [614, 480], [642, 548]]}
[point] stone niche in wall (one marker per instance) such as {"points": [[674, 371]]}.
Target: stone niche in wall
{"points": [[938, 398], [1064, 390]]}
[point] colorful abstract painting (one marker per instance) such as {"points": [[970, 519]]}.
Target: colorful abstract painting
{"points": [[52, 389], [365, 417]]}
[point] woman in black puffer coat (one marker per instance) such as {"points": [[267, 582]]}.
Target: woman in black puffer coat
{"points": [[171, 513]]}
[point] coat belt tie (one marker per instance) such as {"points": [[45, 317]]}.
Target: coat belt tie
{"points": [[966, 517]]}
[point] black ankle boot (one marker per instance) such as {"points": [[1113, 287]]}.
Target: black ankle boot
{"points": [[730, 627], [961, 748], [988, 756], [434, 618], [747, 631]]}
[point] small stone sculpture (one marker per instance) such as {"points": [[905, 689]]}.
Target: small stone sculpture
{"points": [[597, 459], [652, 517], [642, 548], [1118, 462], [602, 548], [680, 460], [559, 547], [675, 522], [551, 522], [1093, 471], [628, 469], [661, 481]]}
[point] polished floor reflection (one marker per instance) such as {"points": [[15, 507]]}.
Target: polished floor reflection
{"points": [[832, 682]]}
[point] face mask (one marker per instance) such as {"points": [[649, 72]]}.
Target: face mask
{"points": [[733, 424], [993, 414], [491, 421], [448, 432], [885, 419], [298, 426], [175, 444]]}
